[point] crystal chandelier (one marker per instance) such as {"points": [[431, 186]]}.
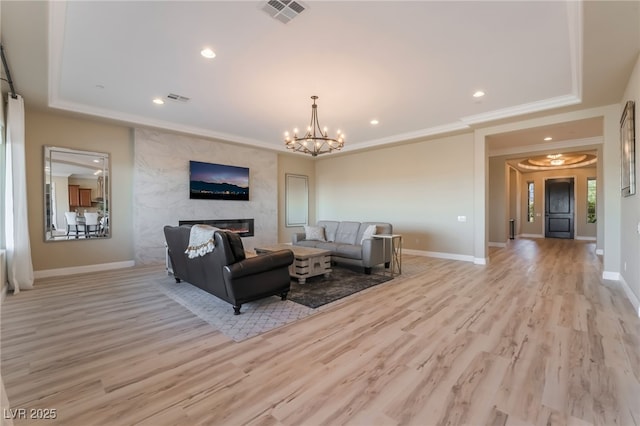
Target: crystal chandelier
{"points": [[316, 140], [555, 159]]}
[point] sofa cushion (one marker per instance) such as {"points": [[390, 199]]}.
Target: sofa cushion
{"points": [[330, 228], [235, 243], [308, 243], [348, 250], [347, 232], [381, 227], [327, 246], [368, 232], [314, 233]]}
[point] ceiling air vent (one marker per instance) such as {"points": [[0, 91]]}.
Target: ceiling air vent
{"points": [[178, 98], [283, 10]]}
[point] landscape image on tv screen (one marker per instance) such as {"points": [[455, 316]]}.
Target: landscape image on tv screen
{"points": [[209, 181]]}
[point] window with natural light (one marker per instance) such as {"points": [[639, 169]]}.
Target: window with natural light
{"points": [[530, 198], [591, 200]]}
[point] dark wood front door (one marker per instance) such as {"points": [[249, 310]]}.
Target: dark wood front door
{"points": [[559, 208]]}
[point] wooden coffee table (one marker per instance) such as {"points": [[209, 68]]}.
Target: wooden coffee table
{"points": [[307, 261]]}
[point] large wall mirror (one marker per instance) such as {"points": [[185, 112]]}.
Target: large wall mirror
{"points": [[297, 200], [76, 194]]}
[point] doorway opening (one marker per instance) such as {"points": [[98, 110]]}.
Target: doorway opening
{"points": [[559, 208]]}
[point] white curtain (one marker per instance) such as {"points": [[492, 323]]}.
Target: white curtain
{"points": [[19, 266], [3, 167]]}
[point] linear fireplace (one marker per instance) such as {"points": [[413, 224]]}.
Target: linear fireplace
{"points": [[242, 227]]}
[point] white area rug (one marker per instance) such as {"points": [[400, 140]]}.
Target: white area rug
{"points": [[256, 317]]}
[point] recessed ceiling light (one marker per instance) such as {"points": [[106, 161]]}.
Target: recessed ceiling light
{"points": [[208, 53], [478, 94], [374, 122], [158, 101], [548, 138]]}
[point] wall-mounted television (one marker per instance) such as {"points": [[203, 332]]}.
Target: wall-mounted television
{"points": [[208, 181]]}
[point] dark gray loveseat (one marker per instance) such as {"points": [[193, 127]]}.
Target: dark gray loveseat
{"points": [[226, 272], [349, 244]]}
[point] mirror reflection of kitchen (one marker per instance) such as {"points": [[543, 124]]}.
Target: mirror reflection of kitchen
{"points": [[76, 194]]}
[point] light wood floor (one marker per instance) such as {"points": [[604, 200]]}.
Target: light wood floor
{"points": [[536, 337]]}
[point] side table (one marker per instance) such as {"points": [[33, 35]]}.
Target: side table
{"points": [[395, 266]]}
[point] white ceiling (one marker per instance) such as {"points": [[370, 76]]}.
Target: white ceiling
{"points": [[412, 65]]}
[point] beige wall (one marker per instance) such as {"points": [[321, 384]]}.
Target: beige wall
{"points": [[630, 220], [421, 188], [137, 221], [44, 128], [498, 207], [298, 165]]}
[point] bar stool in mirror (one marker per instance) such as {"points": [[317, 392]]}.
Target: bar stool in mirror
{"points": [[73, 227], [92, 224]]}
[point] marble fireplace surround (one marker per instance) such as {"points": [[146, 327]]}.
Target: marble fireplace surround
{"points": [[161, 189], [242, 227]]}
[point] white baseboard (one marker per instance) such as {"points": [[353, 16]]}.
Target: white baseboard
{"points": [[500, 245], [45, 273], [3, 274], [542, 236], [611, 276], [616, 276], [440, 255], [631, 296]]}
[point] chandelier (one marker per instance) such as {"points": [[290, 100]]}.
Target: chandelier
{"points": [[316, 140]]}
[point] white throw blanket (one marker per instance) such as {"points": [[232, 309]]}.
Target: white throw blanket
{"points": [[200, 240]]}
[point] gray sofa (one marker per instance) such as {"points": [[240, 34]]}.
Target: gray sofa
{"points": [[348, 243]]}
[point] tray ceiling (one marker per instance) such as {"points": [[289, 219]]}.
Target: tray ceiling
{"points": [[413, 66]]}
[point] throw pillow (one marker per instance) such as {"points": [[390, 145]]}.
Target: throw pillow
{"points": [[368, 233], [235, 243], [314, 233]]}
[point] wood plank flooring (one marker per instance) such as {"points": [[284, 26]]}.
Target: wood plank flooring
{"points": [[534, 338]]}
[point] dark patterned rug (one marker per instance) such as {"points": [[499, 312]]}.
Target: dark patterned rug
{"points": [[343, 281]]}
